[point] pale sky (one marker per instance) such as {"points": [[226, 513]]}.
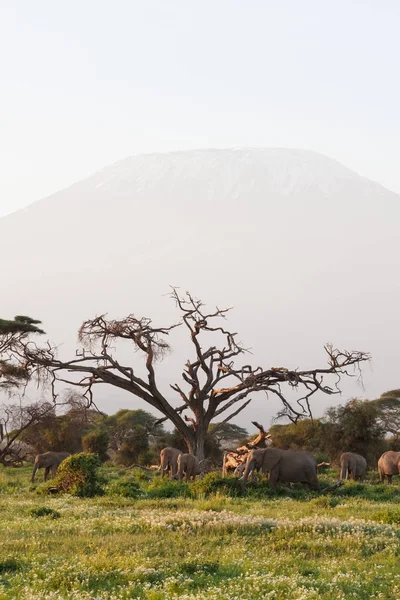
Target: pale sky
{"points": [[84, 84]]}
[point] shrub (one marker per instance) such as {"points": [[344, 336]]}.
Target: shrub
{"points": [[214, 483], [96, 442], [127, 487], [165, 488], [44, 511], [10, 565], [78, 475]]}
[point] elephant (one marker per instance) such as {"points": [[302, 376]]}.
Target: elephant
{"points": [[190, 466], [286, 466], [389, 465], [169, 461], [49, 461], [354, 465]]}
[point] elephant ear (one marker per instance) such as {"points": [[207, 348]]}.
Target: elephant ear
{"points": [[271, 458]]}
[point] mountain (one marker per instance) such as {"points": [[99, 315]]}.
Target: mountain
{"points": [[305, 250]]}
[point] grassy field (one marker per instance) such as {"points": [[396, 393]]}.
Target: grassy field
{"points": [[204, 541]]}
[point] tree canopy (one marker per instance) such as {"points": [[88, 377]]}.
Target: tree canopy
{"points": [[358, 426], [12, 332]]}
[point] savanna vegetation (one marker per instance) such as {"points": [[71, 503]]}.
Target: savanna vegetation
{"points": [[148, 538], [107, 527]]}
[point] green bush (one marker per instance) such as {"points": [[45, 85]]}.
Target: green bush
{"points": [[96, 442], [127, 487], [44, 511], [161, 487], [10, 565], [77, 475], [214, 483]]}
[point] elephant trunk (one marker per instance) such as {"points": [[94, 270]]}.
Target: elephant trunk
{"points": [[249, 467], [35, 468], [224, 465], [344, 473]]}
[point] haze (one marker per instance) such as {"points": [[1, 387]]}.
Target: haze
{"points": [[303, 247], [84, 84]]}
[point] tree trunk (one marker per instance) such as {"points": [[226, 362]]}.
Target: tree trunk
{"points": [[195, 444], [199, 449]]}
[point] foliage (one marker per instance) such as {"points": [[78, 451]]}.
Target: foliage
{"points": [[162, 487], [227, 432], [10, 565], [20, 324], [65, 430], [307, 434], [354, 427], [15, 422], [388, 407], [13, 371], [44, 511], [214, 483], [96, 442], [127, 487], [130, 437], [326, 547], [78, 475]]}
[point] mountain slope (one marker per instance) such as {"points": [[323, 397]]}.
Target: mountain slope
{"points": [[305, 249]]}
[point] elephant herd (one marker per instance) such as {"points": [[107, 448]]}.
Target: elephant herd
{"points": [[179, 465], [282, 466]]}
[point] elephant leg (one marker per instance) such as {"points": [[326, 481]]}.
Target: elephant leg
{"points": [[389, 479], [273, 478], [46, 473], [53, 471]]}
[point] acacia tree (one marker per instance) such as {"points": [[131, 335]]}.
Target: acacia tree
{"points": [[12, 332], [388, 406], [213, 383], [13, 373]]}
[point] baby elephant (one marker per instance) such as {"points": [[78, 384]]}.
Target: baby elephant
{"points": [[188, 465], [354, 465], [49, 461]]}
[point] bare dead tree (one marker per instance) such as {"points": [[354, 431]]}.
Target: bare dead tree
{"points": [[212, 382]]}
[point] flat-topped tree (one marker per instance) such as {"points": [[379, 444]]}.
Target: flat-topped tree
{"points": [[12, 332], [213, 383], [14, 372]]}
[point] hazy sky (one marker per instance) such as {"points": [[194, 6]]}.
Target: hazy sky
{"points": [[84, 84]]}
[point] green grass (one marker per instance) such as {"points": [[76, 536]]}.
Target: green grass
{"points": [[149, 539]]}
